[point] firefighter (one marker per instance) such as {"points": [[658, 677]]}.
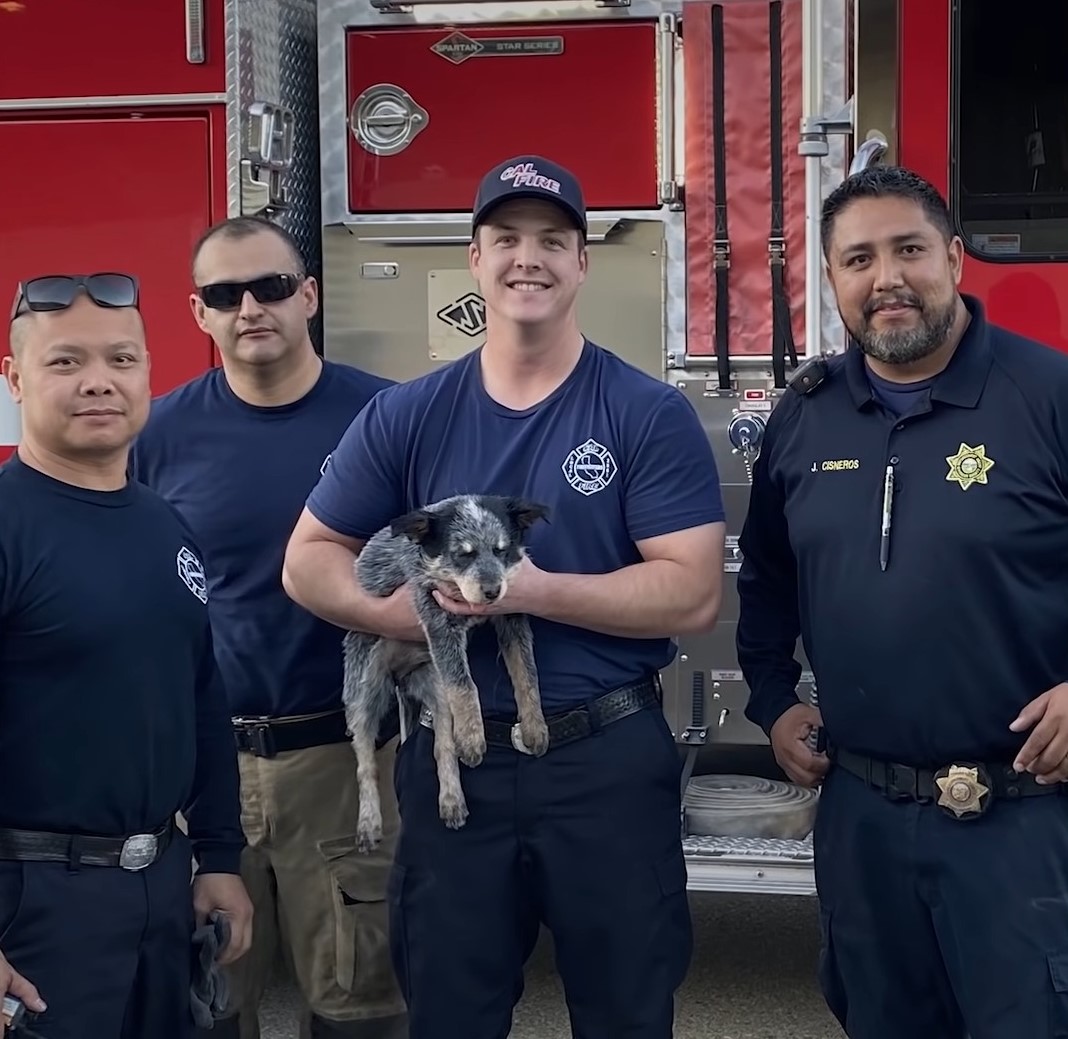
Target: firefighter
{"points": [[236, 451], [585, 838], [112, 716], [909, 518]]}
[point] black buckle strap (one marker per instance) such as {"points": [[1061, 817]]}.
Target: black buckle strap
{"points": [[132, 853], [898, 782], [575, 724], [268, 737], [722, 244]]}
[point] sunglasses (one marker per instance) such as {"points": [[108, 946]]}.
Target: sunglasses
{"points": [[57, 292], [227, 295]]}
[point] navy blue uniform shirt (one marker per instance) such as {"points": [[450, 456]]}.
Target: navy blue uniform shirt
{"points": [[931, 660], [112, 715], [615, 454], [240, 474]]}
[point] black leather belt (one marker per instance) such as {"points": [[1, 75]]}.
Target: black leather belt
{"points": [[964, 789], [134, 852], [266, 737], [575, 724]]}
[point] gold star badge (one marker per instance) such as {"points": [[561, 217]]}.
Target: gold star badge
{"points": [[969, 465], [962, 792]]}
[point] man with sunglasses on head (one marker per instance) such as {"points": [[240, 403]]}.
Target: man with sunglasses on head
{"points": [[236, 451], [112, 715]]}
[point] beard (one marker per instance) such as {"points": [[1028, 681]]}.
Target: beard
{"points": [[905, 345]]}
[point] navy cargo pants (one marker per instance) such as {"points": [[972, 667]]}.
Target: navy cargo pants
{"points": [[585, 839], [940, 928], [108, 949]]}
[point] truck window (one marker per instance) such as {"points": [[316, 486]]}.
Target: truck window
{"points": [[1010, 128]]}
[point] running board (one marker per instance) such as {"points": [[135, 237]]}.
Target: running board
{"points": [[750, 865]]}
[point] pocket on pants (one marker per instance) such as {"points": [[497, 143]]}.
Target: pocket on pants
{"points": [[359, 884], [1058, 997]]}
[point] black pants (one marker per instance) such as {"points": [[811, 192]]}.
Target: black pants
{"points": [[585, 839], [941, 928], [108, 949]]}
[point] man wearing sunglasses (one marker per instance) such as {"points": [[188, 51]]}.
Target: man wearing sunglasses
{"points": [[236, 451], [112, 715]]}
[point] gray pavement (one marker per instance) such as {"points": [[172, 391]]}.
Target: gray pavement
{"points": [[752, 977]]}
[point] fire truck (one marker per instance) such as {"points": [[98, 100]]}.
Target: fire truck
{"points": [[706, 134]]}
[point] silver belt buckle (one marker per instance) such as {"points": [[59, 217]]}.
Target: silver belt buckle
{"points": [[139, 851], [517, 740]]}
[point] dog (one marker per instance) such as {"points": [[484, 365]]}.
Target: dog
{"points": [[468, 546]]}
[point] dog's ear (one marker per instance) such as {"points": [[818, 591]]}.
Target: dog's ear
{"points": [[417, 525], [526, 513]]}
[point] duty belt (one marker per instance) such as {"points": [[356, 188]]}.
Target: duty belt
{"points": [[575, 724], [964, 789], [134, 852], [266, 737]]}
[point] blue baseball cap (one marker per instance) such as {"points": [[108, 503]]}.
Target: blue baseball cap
{"points": [[530, 176]]}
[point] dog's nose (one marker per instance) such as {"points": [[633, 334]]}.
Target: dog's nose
{"points": [[491, 593]]}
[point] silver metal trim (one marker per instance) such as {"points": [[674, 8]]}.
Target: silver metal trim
{"points": [[385, 105], [666, 40], [872, 151], [111, 101], [233, 111], [458, 232], [194, 32]]}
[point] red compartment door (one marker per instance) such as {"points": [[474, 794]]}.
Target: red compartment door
{"points": [[111, 209], [583, 95], [98, 48]]}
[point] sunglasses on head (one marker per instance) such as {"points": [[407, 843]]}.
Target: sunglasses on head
{"points": [[57, 292], [227, 295]]}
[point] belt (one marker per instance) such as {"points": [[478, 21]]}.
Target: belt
{"points": [[266, 737], [131, 853], [575, 724], [962, 789]]}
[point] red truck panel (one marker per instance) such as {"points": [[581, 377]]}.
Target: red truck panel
{"points": [[97, 49], [1024, 297], [591, 107], [120, 206]]}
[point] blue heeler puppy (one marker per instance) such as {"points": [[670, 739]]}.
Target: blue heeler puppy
{"points": [[470, 544]]}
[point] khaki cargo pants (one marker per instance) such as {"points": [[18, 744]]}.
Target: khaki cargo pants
{"points": [[317, 901]]}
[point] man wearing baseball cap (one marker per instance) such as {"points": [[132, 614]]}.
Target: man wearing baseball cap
{"points": [[583, 836]]}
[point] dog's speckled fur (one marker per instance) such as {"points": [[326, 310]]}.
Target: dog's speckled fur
{"points": [[469, 543]]}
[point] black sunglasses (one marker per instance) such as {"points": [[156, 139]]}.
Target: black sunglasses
{"points": [[227, 295], [57, 291]]}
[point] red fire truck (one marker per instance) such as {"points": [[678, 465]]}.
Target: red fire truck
{"points": [[706, 133]]}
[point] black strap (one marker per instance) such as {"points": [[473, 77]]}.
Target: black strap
{"points": [[782, 334], [266, 737], [76, 849], [721, 246]]}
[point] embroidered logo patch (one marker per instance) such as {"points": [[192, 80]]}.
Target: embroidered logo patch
{"points": [[590, 467], [191, 571]]}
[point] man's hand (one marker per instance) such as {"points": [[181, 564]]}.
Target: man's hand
{"points": [[525, 593], [14, 984], [1045, 754], [399, 619], [226, 893], [789, 741]]}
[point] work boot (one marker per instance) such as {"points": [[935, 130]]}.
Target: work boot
{"points": [[370, 1028]]}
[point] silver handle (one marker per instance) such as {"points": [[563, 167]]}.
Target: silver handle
{"points": [[194, 32], [665, 40], [869, 153]]}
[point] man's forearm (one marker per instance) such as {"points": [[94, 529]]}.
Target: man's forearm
{"points": [[320, 577], [655, 599]]}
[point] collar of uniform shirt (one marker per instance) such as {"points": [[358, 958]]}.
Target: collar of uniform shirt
{"points": [[961, 383]]}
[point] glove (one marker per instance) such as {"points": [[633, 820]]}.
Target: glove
{"points": [[208, 991]]}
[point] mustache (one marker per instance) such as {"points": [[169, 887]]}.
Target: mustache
{"points": [[885, 301]]}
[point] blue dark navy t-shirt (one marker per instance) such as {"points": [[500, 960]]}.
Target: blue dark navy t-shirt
{"points": [[240, 474], [112, 715], [898, 398], [615, 454]]}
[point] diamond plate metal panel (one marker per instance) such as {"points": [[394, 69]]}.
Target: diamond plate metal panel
{"points": [[272, 57]]}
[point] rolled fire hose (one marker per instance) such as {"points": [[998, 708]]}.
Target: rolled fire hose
{"points": [[748, 806]]}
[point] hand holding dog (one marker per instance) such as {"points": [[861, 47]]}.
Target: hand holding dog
{"points": [[1045, 754], [525, 593]]}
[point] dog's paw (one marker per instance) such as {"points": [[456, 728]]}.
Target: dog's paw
{"points": [[535, 734], [368, 838], [470, 740], [453, 810]]}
